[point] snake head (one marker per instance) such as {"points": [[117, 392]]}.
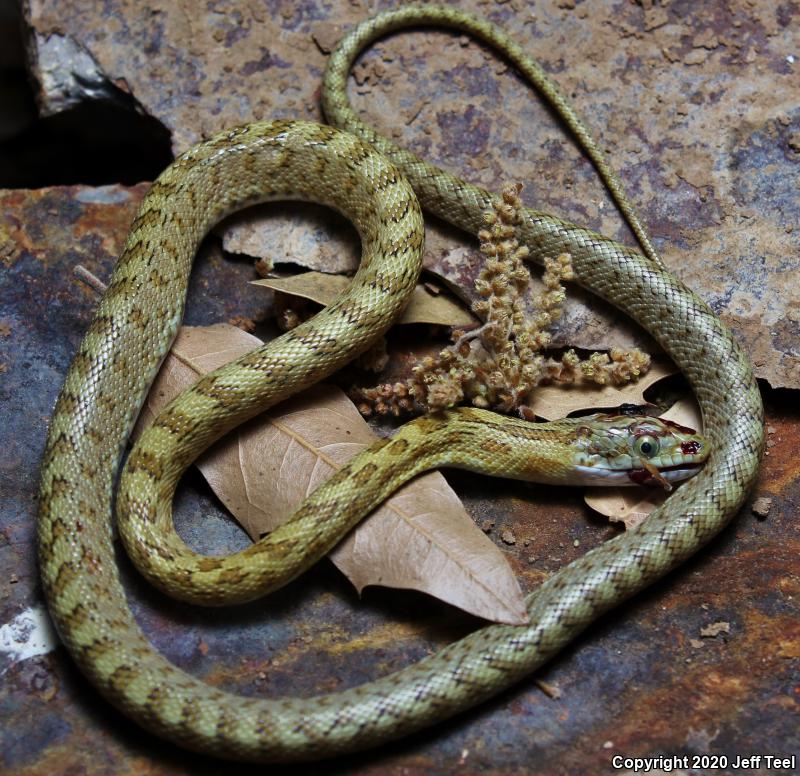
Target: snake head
{"points": [[622, 449]]}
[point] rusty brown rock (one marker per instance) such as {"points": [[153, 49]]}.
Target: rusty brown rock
{"points": [[702, 136], [710, 154]]}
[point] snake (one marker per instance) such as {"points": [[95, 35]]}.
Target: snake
{"points": [[378, 186], [599, 449]]}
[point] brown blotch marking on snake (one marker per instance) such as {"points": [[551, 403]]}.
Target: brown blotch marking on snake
{"points": [[142, 652], [322, 345], [385, 281], [98, 647], [364, 474], [386, 181], [152, 218], [90, 514], [389, 472], [158, 550], [79, 615], [279, 547], [318, 512], [90, 561], [164, 188], [121, 284], [208, 563], [83, 360], [59, 528], [174, 421], [122, 677], [156, 695], [88, 469], [399, 212], [496, 447], [191, 714], [351, 311], [190, 195], [138, 318], [258, 360], [115, 623], [227, 723], [349, 183], [57, 447], [453, 437], [129, 255], [346, 470], [233, 576], [397, 446], [60, 486], [320, 166], [157, 280], [107, 402], [427, 424], [66, 572], [96, 434], [359, 153], [101, 323], [177, 221], [146, 461]]}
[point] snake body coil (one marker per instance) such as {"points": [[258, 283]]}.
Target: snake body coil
{"points": [[134, 327]]}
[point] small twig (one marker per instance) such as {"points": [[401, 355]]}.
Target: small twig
{"points": [[419, 108], [472, 334], [550, 690], [90, 279]]}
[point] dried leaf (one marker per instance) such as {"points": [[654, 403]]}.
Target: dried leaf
{"points": [[715, 629], [303, 233], [424, 306], [550, 690], [628, 506], [421, 538], [761, 507], [631, 506], [557, 401], [197, 350]]}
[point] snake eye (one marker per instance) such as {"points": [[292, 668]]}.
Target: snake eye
{"points": [[646, 446]]}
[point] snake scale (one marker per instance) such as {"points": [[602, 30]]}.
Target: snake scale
{"points": [[138, 318]]}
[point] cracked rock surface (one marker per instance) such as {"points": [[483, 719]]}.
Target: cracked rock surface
{"points": [[695, 103]]}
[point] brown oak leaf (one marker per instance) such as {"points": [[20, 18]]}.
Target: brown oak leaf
{"points": [[421, 538], [423, 307]]}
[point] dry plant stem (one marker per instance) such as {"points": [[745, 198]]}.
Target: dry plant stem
{"points": [[500, 364], [91, 280]]}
